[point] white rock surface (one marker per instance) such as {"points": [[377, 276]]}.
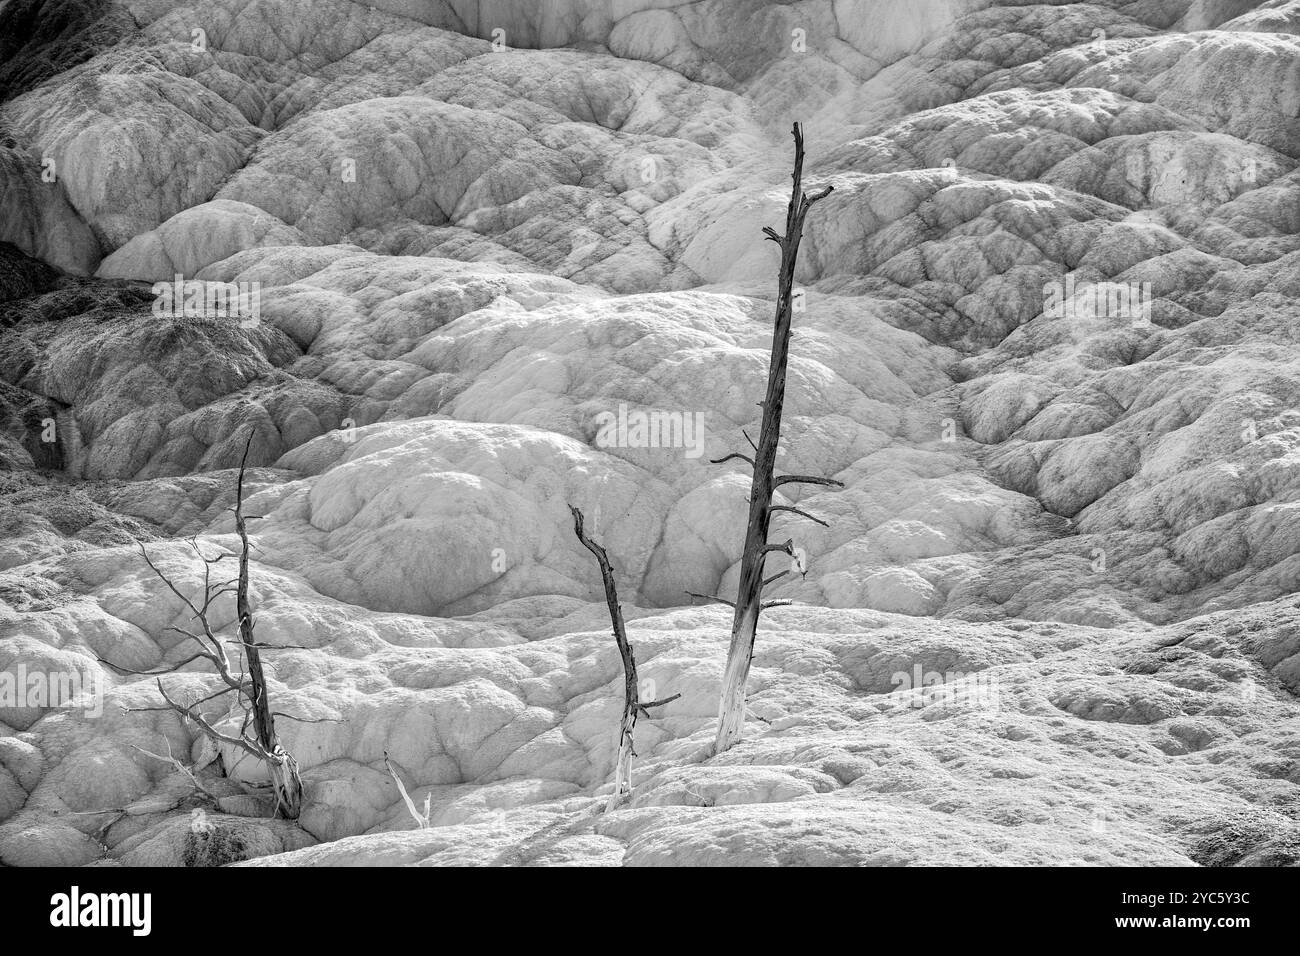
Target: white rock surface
{"points": [[466, 260]]}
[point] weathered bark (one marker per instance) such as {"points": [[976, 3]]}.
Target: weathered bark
{"points": [[749, 604], [286, 781], [632, 705]]}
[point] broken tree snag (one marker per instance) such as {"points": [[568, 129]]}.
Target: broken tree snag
{"points": [[632, 705], [421, 819], [749, 603], [279, 762], [250, 689]]}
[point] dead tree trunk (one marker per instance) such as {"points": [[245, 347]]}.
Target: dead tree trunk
{"points": [[748, 604], [279, 762], [421, 819], [250, 689], [632, 705]]}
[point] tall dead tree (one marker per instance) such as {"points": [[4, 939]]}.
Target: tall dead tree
{"points": [[260, 741], [749, 599], [632, 705]]}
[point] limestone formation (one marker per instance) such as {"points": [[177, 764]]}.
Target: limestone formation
{"points": [[492, 259]]}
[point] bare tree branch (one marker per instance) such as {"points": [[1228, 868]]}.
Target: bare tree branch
{"points": [[806, 480], [645, 708], [171, 759], [775, 577], [800, 512], [712, 597], [263, 646], [189, 713], [220, 692], [162, 577], [735, 454], [659, 703], [306, 720], [166, 670]]}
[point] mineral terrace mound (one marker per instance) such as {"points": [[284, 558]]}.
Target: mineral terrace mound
{"points": [[1053, 619]]}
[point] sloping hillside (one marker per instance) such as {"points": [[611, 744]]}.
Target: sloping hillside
{"points": [[1047, 338]]}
